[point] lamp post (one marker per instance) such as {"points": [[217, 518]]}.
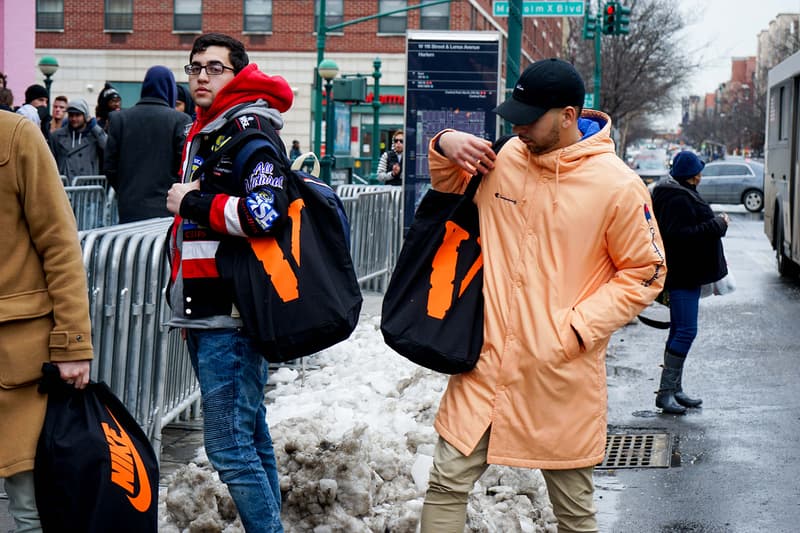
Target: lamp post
{"points": [[376, 113], [328, 69], [48, 65]]}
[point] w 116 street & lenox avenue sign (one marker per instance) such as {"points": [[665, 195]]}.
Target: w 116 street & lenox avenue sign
{"points": [[540, 9]]}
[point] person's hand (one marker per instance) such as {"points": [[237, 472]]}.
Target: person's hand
{"points": [[725, 218], [396, 169], [176, 193], [75, 373], [469, 152]]}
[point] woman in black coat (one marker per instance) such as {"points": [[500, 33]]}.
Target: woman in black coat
{"points": [[693, 244]]}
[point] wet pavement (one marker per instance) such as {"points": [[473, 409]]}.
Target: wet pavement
{"points": [[734, 462]]}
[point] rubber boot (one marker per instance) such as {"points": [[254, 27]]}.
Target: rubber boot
{"points": [[670, 377], [681, 396]]}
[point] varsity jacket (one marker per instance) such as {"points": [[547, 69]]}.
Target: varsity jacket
{"points": [[241, 190]]}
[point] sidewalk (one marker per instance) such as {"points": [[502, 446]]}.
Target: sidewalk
{"points": [[181, 440]]}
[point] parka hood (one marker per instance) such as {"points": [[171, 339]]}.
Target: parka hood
{"points": [[159, 82]]}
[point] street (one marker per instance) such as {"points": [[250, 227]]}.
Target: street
{"points": [[734, 462]]}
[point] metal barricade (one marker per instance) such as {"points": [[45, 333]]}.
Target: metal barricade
{"points": [[88, 203], [94, 179], [376, 231], [143, 362]]}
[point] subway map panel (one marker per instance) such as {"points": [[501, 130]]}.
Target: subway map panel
{"points": [[452, 82]]}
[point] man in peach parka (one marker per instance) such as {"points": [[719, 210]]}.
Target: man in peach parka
{"points": [[44, 303], [571, 253]]}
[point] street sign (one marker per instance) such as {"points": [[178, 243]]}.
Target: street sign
{"points": [[540, 9], [588, 100]]}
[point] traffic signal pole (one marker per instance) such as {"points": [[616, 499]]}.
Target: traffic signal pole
{"points": [[598, 70]]}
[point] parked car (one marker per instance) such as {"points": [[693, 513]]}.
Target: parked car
{"points": [[734, 181]]}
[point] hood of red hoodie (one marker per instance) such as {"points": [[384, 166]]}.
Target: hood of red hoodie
{"points": [[247, 86]]}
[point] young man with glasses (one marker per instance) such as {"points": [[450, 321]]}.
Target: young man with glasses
{"points": [[219, 205], [390, 167]]}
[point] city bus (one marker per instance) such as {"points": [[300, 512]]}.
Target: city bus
{"points": [[781, 172]]}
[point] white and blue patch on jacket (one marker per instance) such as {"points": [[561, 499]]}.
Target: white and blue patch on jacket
{"points": [[263, 175], [261, 206]]}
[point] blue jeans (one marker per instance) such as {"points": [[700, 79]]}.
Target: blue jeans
{"points": [[232, 375], [683, 307]]}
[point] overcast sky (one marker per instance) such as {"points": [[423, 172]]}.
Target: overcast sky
{"points": [[730, 29], [721, 29]]}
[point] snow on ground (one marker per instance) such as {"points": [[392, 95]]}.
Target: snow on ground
{"points": [[353, 438]]}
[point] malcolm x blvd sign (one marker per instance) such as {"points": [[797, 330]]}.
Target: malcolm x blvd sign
{"points": [[541, 9]]}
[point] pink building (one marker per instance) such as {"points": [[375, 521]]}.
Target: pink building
{"points": [[17, 46]]}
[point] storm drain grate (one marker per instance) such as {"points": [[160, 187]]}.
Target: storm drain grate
{"points": [[649, 450]]}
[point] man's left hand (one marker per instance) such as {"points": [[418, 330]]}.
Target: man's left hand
{"points": [[177, 192], [74, 372]]}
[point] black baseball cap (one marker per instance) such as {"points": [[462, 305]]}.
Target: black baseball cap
{"points": [[544, 85]]}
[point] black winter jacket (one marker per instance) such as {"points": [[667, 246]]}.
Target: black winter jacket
{"points": [[692, 235], [143, 157]]}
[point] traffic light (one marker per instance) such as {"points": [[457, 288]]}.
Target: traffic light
{"points": [[589, 26], [609, 18], [623, 18]]}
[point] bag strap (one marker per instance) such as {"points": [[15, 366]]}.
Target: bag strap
{"points": [[472, 188]]}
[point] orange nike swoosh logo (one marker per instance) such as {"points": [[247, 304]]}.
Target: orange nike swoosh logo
{"points": [[141, 502]]}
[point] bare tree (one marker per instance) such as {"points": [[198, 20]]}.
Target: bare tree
{"points": [[642, 72]]}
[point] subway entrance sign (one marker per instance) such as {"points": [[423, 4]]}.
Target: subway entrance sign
{"points": [[500, 8]]}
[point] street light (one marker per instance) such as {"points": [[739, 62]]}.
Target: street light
{"points": [[328, 69], [48, 65]]}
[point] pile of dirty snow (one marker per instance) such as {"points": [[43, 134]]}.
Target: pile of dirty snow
{"points": [[353, 437]]}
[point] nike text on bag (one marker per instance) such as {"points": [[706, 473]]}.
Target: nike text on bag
{"points": [[296, 290], [433, 308], [95, 470]]}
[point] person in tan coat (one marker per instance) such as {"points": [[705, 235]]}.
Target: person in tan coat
{"points": [[44, 304], [571, 253]]}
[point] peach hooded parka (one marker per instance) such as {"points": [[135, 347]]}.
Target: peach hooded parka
{"points": [[568, 241]]}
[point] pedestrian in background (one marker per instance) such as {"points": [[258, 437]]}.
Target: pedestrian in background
{"points": [[693, 240], [45, 311], [570, 255], [6, 96], [58, 120], [295, 152], [184, 102], [35, 97], [390, 166], [143, 153], [240, 196], [108, 101], [78, 147]]}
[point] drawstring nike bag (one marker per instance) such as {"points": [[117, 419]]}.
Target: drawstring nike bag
{"points": [[95, 470]]}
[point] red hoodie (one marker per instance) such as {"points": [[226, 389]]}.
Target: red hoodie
{"points": [[248, 85]]}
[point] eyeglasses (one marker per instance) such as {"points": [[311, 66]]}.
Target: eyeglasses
{"points": [[397, 140], [213, 68]]}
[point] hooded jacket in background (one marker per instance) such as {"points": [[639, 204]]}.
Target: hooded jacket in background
{"points": [[78, 152], [568, 243], [143, 154]]}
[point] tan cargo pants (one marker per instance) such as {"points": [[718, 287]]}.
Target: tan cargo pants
{"points": [[453, 476]]}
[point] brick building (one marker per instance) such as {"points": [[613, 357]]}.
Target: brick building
{"points": [[115, 41]]}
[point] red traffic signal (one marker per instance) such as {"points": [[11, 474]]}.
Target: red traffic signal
{"points": [[609, 18]]}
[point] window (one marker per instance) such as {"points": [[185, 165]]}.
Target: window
{"points": [[393, 23], [334, 13], [711, 171], [258, 16], [188, 15], [435, 17], [735, 170], [49, 14], [119, 15]]}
